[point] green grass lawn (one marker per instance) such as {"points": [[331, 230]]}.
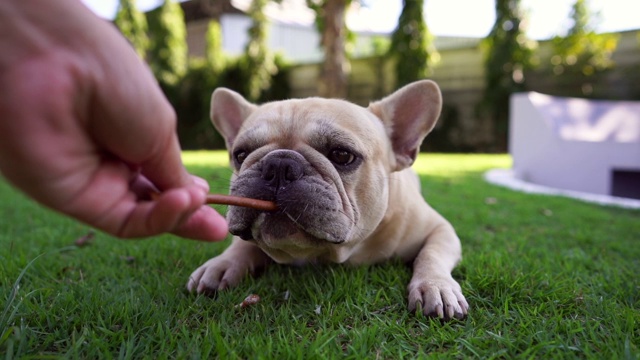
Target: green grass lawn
{"points": [[546, 277]]}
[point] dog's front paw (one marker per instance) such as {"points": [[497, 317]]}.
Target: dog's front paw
{"points": [[439, 297], [216, 274]]}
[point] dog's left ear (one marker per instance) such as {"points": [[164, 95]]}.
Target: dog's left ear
{"points": [[409, 114]]}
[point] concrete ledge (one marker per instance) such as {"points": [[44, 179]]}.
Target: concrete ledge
{"points": [[506, 178], [576, 144]]}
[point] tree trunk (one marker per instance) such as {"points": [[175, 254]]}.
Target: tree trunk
{"points": [[215, 8], [333, 75]]}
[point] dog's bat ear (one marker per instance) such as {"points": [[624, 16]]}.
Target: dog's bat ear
{"points": [[409, 114], [228, 111]]}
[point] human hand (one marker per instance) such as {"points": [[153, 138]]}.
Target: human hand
{"points": [[85, 129]]}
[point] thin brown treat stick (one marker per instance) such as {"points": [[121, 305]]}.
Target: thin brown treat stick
{"points": [[234, 200], [241, 201]]}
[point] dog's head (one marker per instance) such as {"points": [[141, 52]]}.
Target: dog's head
{"points": [[324, 162]]}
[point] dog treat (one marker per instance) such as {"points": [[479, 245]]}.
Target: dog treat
{"points": [[249, 300], [221, 199], [241, 201]]}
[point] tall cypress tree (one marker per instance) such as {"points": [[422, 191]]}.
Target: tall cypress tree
{"points": [[257, 61], [582, 53], [412, 44], [214, 53], [168, 52], [133, 25], [508, 53]]}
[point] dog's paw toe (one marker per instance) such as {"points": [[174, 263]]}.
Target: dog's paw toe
{"points": [[215, 275], [194, 279], [438, 298]]}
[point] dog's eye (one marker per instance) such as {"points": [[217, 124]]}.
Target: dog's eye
{"points": [[341, 157], [239, 156]]}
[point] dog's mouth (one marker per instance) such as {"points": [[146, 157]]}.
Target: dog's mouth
{"points": [[280, 227], [310, 209]]}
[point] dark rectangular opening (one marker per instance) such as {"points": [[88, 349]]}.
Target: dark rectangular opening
{"points": [[625, 183]]}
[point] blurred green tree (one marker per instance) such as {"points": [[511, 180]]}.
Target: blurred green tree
{"points": [[412, 44], [582, 52], [257, 61], [133, 25], [168, 54], [214, 54], [508, 53]]}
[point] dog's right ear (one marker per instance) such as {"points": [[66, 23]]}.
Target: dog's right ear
{"points": [[409, 114], [228, 111]]}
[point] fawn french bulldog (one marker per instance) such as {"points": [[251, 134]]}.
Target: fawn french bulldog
{"points": [[341, 178]]}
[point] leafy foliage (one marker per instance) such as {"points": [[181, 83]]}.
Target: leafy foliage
{"points": [[214, 53], [133, 25], [582, 52], [508, 53], [191, 97], [319, 6], [257, 61], [168, 55], [412, 44], [250, 74]]}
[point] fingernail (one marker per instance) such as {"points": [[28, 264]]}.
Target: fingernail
{"points": [[201, 183]]}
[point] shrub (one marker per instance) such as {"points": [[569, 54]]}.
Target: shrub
{"points": [[191, 98]]}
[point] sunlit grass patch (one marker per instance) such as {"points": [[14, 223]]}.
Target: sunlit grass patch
{"points": [[546, 277], [218, 158], [458, 164]]}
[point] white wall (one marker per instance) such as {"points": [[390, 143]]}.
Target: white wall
{"points": [[573, 144]]}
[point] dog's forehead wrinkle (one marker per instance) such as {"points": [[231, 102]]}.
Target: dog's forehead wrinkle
{"points": [[326, 134], [251, 137], [314, 121], [276, 124]]}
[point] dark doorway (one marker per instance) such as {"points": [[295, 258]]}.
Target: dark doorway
{"points": [[626, 183]]}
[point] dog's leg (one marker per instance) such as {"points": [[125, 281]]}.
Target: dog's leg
{"points": [[432, 284], [229, 268]]}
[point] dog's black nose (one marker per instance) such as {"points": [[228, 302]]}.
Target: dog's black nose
{"points": [[278, 172]]}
